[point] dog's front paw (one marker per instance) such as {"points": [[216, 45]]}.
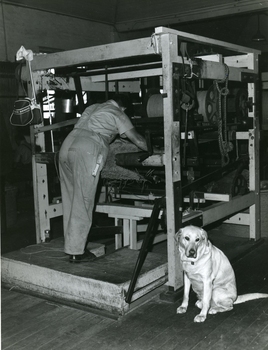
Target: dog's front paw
{"points": [[181, 310], [199, 304], [213, 311], [199, 318]]}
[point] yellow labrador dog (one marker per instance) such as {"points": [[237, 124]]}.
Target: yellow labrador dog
{"points": [[209, 272]]}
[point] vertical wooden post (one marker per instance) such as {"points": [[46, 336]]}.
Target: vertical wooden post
{"points": [[169, 50], [39, 173], [118, 236], [254, 157]]}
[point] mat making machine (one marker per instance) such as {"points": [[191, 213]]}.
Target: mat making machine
{"points": [[194, 99]]}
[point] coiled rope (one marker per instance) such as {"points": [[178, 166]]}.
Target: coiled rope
{"points": [[224, 145]]}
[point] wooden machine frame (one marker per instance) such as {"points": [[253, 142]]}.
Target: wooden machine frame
{"points": [[243, 66]]}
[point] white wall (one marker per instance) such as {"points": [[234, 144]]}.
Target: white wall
{"points": [[33, 28]]}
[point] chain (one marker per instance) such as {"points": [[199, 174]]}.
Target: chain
{"points": [[224, 145]]}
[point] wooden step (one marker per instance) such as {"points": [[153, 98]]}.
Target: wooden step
{"points": [[102, 284]]}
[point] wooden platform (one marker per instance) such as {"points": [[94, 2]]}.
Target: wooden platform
{"points": [[31, 323], [101, 284]]}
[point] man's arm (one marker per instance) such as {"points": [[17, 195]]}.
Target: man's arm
{"points": [[136, 138]]}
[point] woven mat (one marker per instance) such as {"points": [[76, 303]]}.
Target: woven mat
{"points": [[111, 171]]}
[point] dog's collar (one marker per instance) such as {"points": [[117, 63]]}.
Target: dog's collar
{"points": [[188, 262]]}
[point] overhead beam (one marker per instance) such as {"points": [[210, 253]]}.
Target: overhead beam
{"points": [[100, 53], [177, 12]]}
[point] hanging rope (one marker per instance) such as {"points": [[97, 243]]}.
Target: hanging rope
{"points": [[224, 145]]}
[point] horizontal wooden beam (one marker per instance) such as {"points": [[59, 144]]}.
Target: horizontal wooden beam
{"points": [[223, 210], [100, 53], [204, 40]]}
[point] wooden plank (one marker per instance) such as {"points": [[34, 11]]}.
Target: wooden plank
{"points": [[157, 239], [208, 196], [7, 296], [201, 39], [28, 317], [265, 85], [242, 135], [17, 302], [40, 129], [29, 326], [121, 211], [170, 326], [261, 340], [245, 330], [240, 61], [230, 331], [129, 75], [264, 211], [85, 329], [43, 331], [139, 337], [76, 324], [254, 178], [89, 85], [264, 76], [131, 329], [222, 210], [169, 49], [239, 219], [100, 53]]}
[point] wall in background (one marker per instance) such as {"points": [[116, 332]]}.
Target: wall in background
{"points": [[34, 29], [37, 29], [233, 29]]}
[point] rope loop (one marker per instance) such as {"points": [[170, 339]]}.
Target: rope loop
{"points": [[224, 145], [224, 91], [227, 146]]}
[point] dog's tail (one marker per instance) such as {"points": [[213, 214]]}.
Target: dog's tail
{"points": [[251, 296]]}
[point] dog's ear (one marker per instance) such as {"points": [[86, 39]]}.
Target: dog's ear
{"points": [[178, 234], [204, 235]]}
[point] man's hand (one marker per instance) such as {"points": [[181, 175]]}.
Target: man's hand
{"points": [[136, 138]]}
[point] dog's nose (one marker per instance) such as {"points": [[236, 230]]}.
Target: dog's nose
{"points": [[191, 253]]}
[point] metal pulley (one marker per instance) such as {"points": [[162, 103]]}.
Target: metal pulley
{"points": [[234, 184], [207, 105]]}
